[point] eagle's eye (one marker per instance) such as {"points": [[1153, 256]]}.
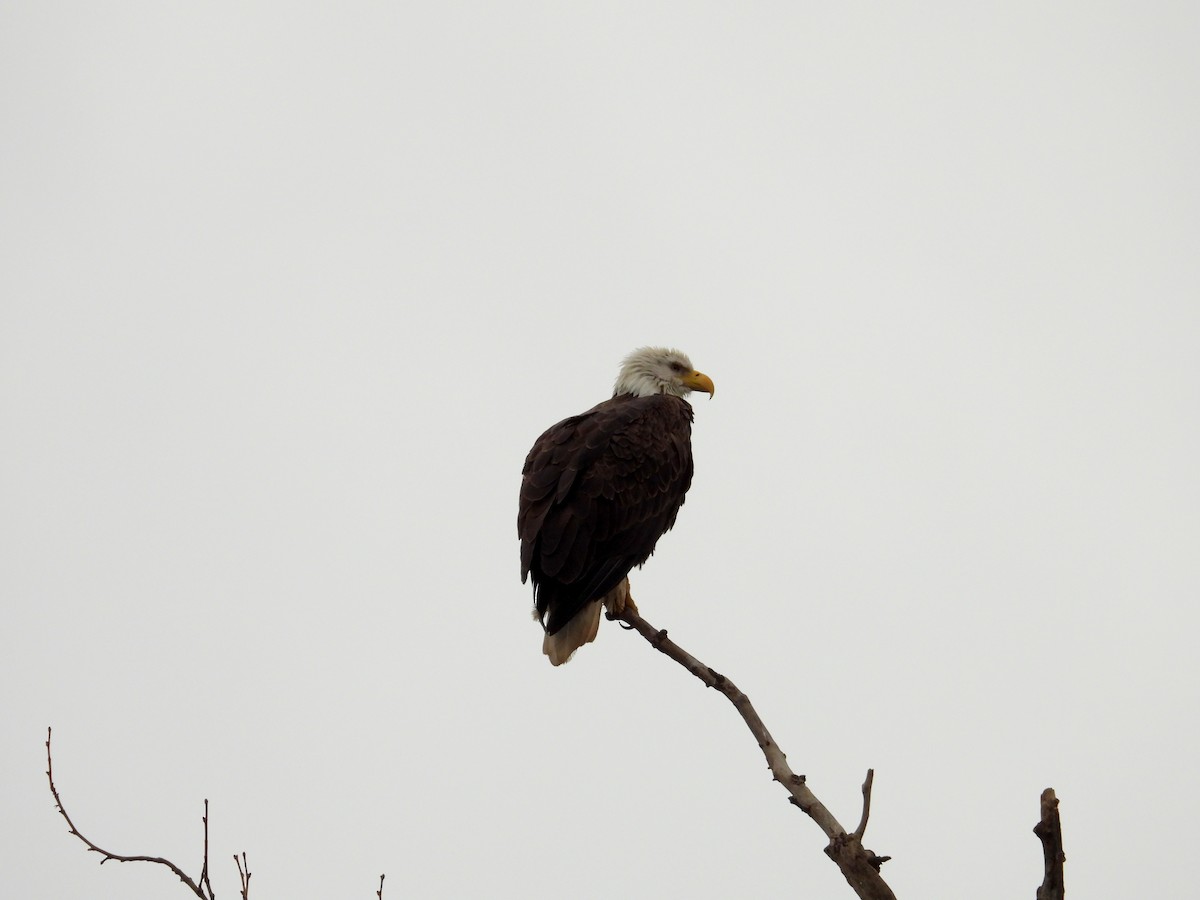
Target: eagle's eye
{"points": [[678, 367]]}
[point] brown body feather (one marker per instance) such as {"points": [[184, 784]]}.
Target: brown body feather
{"points": [[598, 491]]}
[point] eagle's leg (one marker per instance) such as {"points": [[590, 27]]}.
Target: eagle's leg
{"points": [[618, 600]]}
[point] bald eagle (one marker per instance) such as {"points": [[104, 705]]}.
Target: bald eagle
{"points": [[598, 490]]}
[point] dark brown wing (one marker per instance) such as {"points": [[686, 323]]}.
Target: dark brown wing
{"points": [[598, 492]]}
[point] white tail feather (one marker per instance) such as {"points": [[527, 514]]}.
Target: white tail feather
{"points": [[582, 629]]}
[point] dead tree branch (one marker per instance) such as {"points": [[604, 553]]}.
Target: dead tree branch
{"points": [[866, 810], [107, 854], [859, 866], [1049, 832], [202, 887]]}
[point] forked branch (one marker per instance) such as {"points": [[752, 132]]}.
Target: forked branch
{"points": [[859, 866], [243, 868]]}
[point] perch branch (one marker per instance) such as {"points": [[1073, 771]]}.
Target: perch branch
{"points": [[107, 854], [859, 866], [1049, 832], [379, 893]]}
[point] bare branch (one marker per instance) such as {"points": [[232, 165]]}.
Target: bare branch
{"points": [[859, 866], [1049, 832], [195, 888], [379, 893]]}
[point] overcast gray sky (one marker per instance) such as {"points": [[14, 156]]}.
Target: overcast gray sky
{"points": [[289, 289]]}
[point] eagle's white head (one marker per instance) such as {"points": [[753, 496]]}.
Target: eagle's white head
{"points": [[657, 370]]}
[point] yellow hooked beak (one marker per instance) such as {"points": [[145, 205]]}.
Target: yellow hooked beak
{"points": [[698, 381]]}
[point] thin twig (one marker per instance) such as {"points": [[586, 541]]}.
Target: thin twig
{"points": [[243, 874], [1049, 832], [107, 854], [859, 866], [204, 881], [379, 893]]}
